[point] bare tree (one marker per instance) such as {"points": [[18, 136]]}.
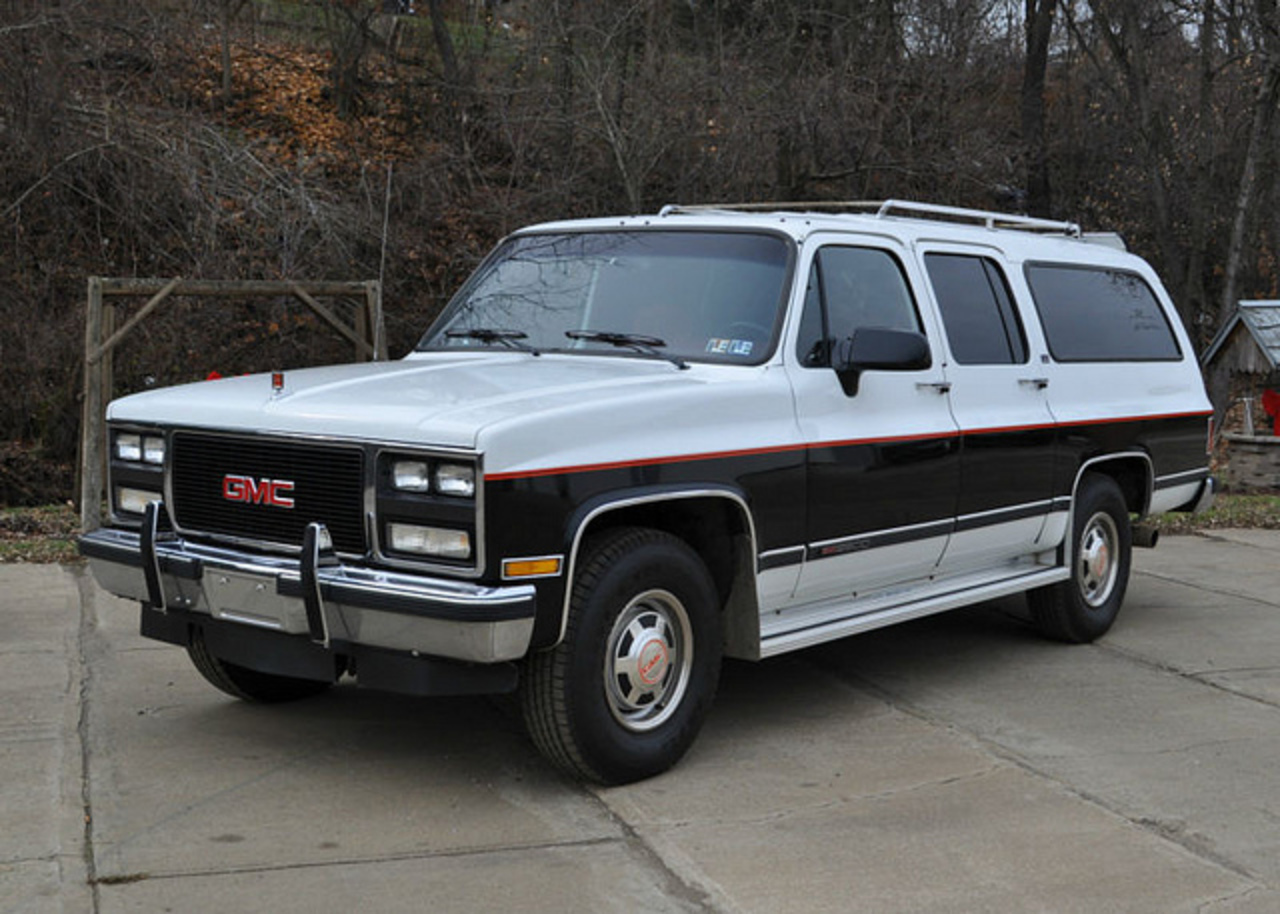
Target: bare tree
{"points": [[347, 26], [1038, 27], [1261, 134]]}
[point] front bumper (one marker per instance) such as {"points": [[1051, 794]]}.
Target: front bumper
{"points": [[315, 596]]}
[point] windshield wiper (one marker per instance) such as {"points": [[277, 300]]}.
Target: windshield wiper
{"points": [[509, 339], [648, 345]]}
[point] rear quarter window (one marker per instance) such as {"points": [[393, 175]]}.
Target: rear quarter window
{"points": [[1098, 314]]}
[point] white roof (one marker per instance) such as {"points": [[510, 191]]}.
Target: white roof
{"points": [[1021, 237]]}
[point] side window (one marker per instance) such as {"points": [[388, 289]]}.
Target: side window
{"points": [[1096, 314], [850, 288], [977, 310]]}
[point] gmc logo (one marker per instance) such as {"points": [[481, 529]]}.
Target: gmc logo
{"points": [[250, 491]]}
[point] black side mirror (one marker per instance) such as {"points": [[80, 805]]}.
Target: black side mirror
{"points": [[880, 349]]}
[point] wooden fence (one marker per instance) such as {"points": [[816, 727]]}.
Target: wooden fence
{"points": [[102, 336]]}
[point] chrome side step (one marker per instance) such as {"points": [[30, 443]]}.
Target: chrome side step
{"points": [[810, 625]]}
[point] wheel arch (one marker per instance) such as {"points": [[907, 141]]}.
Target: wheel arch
{"points": [[714, 521], [1132, 471]]}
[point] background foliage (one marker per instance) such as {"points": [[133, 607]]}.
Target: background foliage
{"points": [[314, 139]]}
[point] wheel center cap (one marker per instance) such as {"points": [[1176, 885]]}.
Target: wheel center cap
{"points": [[653, 661], [1099, 561]]}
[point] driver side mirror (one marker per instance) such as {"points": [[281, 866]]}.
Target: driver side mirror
{"points": [[880, 349]]}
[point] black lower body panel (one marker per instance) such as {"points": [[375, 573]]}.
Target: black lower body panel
{"points": [[301, 658]]}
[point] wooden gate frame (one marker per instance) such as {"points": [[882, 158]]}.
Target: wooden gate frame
{"points": [[101, 338]]}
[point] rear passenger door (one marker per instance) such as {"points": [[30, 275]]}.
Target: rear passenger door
{"points": [[883, 462], [999, 398]]}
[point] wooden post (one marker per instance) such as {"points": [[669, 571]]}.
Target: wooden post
{"points": [[92, 439], [373, 304]]}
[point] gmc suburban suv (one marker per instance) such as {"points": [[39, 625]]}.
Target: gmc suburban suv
{"points": [[629, 447]]}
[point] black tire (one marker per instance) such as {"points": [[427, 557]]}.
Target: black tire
{"points": [[1083, 607], [246, 684], [623, 695]]}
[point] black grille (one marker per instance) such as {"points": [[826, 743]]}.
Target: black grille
{"points": [[327, 486]]}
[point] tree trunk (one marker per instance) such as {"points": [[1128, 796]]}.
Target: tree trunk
{"points": [[444, 45], [1039, 28], [1264, 117], [1194, 293], [226, 53]]}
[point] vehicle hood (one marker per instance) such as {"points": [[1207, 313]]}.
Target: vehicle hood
{"points": [[433, 399]]}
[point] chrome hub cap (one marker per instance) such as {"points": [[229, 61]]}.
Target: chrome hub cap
{"points": [[1096, 565], [648, 661]]}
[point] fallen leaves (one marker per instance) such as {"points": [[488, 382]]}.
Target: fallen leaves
{"points": [[281, 97]]}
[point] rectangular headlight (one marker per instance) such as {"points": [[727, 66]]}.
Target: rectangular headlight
{"points": [[456, 479], [134, 501], [411, 476], [435, 542], [129, 446], [153, 450]]}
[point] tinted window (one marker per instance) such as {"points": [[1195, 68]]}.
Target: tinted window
{"points": [[713, 296], [977, 310], [851, 288], [1092, 314]]}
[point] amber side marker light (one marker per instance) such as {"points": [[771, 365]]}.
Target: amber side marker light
{"points": [[531, 568]]}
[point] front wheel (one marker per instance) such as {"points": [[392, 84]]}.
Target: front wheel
{"points": [[1083, 607], [623, 695]]}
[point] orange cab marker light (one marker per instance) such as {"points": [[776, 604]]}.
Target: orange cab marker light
{"points": [[531, 568]]}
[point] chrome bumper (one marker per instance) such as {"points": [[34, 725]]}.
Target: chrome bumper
{"points": [[315, 596], [1205, 497]]}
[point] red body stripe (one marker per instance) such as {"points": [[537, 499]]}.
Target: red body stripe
{"points": [[851, 442]]}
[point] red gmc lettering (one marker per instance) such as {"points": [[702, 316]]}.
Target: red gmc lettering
{"points": [[247, 490]]}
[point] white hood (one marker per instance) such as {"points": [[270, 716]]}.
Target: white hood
{"points": [[465, 401]]}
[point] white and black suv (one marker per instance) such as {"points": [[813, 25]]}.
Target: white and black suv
{"points": [[632, 446]]}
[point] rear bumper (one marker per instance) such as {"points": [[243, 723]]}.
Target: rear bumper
{"points": [[1205, 497], [315, 597]]}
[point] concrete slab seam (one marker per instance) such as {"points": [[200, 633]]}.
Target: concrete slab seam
{"points": [[1216, 591], [86, 630], [685, 888], [1198, 678], [1172, 834], [455, 853]]}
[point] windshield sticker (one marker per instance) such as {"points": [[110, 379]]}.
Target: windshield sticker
{"points": [[717, 346]]}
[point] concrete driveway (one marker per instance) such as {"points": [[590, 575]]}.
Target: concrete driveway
{"points": [[959, 763]]}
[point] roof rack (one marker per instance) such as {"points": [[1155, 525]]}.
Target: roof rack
{"points": [[882, 209]]}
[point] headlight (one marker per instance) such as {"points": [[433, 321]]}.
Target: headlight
{"points": [[456, 479], [133, 447], [153, 450], [437, 542], [129, 447], [411, 476], [134, 501]]}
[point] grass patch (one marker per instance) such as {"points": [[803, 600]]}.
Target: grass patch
{"points": [[1256, 511], [39, 535]]}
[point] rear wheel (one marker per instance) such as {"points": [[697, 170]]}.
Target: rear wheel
{"points": [[622, 697], [246, 684], [1084, 606]]}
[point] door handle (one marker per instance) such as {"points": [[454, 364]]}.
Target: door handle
{"points": [[938, 387], [1037, 383]]}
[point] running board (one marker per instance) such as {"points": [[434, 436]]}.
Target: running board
{"points": [[839, 619]]}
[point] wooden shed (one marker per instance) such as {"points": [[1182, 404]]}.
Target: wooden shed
{"points": [[1249, 343], [1247, 348]]}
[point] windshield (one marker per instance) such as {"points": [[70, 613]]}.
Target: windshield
{"points": [[701, 296]]}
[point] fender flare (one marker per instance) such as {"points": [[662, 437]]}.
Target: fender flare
{"points": [[593, 509]]}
